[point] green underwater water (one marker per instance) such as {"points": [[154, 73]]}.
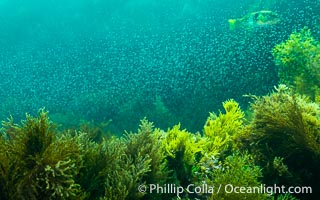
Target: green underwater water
{"points": [[124, 60], [218, 103]]}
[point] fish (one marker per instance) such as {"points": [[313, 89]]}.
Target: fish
{"points": [[263, 18]]}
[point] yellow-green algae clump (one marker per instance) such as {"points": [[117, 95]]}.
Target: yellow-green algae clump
{"points": [[298, 59], [223, 129]]}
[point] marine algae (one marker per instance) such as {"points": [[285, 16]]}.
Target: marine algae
{"points": [[224, 129], [37, 162], [298, 59], [183, 150], [40, 162], [144, 150], [285, 138], [39, 165]]}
